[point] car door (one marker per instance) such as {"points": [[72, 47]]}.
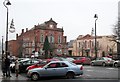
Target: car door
{"points": [[49, 70], [101, 60], [96, 62], [62, 69], [24, 65]]}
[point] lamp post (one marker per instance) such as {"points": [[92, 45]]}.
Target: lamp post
{"points": [[96, 17], [2, 48], [5, 3]]}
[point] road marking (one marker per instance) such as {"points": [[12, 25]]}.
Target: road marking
{"points": [[89, 70], [110, 68]]}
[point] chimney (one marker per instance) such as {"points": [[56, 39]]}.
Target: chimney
{"points": [[16, 36], [22, 31], [65, 39]]}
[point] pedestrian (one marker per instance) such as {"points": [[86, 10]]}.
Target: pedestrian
{"points": [[16, 67], [7, 67], [3, 66]]}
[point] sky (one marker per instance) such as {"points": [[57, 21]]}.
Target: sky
{"points": [[75, 16]]}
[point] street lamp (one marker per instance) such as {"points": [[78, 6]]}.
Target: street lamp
{"points": [[2, 48], [96, 17], [5, 3]]}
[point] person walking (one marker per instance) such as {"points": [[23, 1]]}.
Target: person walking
{"points": [[16, 67], [3, 66], [7, 67]]}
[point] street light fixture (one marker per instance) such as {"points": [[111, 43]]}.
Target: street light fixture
{"points": [[96, 17], [5, 3]]}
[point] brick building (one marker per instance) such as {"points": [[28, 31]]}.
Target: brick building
{"points": [[32, 40]]}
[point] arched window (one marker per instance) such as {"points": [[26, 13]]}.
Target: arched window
{"points": [[59, 39], [51, 38], [42, 38]]}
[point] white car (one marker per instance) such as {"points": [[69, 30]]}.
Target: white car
{"points": [[116, 63], [56, 68]]}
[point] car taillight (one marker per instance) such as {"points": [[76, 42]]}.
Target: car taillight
{"points": [[81, 68]]}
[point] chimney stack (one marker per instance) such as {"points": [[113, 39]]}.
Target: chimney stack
{"points": [[22, 31]]}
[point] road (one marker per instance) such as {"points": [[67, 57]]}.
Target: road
{"points": [[91, 74]]}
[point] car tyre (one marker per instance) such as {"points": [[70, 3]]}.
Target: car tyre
{"points": [[103, 64], [92, 64], [70, 75], [115, 65], [34, 77]]}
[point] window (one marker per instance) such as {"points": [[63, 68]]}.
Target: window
{"points": [[51, 38], [64, 65], [42, 38], [59, 39], [54, 65]]}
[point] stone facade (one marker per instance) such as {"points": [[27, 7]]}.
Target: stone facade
{"points": [[84, 46]]}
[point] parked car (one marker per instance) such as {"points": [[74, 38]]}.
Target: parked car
{"points": [[23, 64], [116, 63], [56, 68], [82, 60], [50, 59], [103, 61], [37, 65], [59, 58], [70, 59]]}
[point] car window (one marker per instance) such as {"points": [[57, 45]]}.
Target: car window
{"points": [[27, 62], [52, 65], [64, 65], [98, 59]]}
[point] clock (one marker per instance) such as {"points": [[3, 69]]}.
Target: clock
{"points": [[51, 26]]}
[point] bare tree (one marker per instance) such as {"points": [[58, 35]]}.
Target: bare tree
{"points": [[116, 37]]}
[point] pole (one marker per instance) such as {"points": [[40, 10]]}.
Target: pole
{"points": [[95, 42], [6, 47], [96, 17], [6, 44], [2, 48]]}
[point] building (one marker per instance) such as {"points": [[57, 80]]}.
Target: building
{"points": [[31, 41], [85, 46]]}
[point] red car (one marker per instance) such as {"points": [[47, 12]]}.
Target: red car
{"points": [[82, 60], [38, 65]]}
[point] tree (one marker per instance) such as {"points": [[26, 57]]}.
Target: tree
{"points": [[116, 31], [46, 46]]}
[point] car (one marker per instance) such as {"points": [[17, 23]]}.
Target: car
{"points": [[37, 65], [56, 68], [82, 60], [116, 63], [23, 64], [103, 61], [70, 59], [60, 58], [50, 59]]}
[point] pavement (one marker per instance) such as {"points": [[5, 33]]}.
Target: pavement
{"points": [[13, 77]]}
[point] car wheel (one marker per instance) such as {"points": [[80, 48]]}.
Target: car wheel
{"points": [[116, 65], [70, 75], [35, 76], [103, 64], [92, 64]]}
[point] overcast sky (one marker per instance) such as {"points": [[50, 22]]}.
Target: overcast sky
{"points": [[75, 16]]}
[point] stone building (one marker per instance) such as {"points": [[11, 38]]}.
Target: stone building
{"points": [[31, 41], [85, 46]]}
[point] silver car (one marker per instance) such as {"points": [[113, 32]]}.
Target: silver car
{"points": [[116, 63], [56, 68], [103, 61]]}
